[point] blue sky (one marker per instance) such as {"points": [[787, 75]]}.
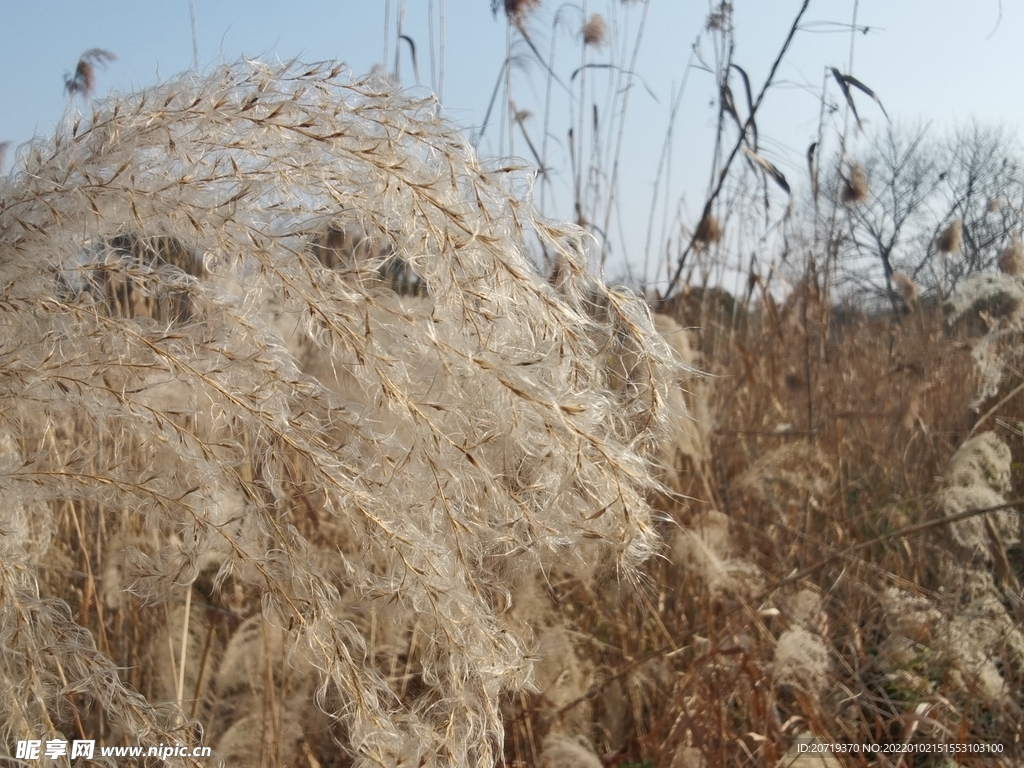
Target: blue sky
{"points": [[938, 60]]}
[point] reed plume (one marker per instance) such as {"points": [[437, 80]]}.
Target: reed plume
{"points": [[474, 436], [83, 82]]}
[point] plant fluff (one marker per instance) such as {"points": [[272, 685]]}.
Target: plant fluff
{"points": [[325, 447]]}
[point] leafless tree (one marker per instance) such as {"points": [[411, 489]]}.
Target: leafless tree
{"points": [[902, 179], [982, 186], [920, 188]]}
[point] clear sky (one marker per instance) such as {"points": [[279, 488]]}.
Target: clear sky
{"points": [[942, 60]]}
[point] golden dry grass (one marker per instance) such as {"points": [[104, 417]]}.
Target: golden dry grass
{"points": [[786, 608]]}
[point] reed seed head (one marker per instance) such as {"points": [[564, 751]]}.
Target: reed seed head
{"points": [[718, 19], [855, 188], [905, 286], [83, 81], [518, 10], [708, 231], [1011, 259], [951, 238], [595, 31]]}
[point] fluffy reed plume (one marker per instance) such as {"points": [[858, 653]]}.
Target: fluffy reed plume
{"points": [[855, 186], [1011, 258], [708, 231], [984, 639], [1000, 296], [563, 752], [516, 10], [83, 81], [802, 660], [719, 18], [595, 31], [479, 439], [978, 476], [906, 287], [787, 475], [706, 549], [998, 300], [950, 239], [562, 675]]}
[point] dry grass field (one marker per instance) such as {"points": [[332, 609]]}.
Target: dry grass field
{"points": [[826, 576]]}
